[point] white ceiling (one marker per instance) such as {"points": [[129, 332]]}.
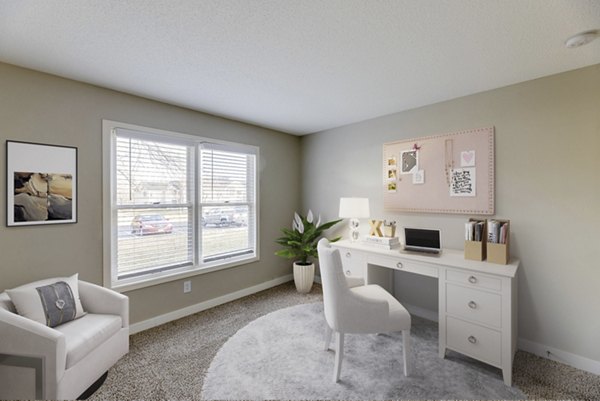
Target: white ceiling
{"points": [[298, 66]]}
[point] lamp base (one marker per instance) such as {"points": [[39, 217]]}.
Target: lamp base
{"points": [[354, 235]]}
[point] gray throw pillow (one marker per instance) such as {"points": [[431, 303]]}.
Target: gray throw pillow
{"points": [[58, 303]]}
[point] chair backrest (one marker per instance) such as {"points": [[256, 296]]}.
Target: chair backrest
{"points": [[336, 294]]}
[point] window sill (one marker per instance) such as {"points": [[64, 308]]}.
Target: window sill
{"points": [[173, 275]]}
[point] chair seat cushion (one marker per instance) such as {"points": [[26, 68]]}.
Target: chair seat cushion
{"points": [[87, 333], [399, 318]]}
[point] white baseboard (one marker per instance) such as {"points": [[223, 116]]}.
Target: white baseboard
{"points": [[211, 303], [576, 361]]}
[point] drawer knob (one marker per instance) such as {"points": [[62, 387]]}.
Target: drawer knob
{"points": [[472, 339], [472, 279], [347, 272], [399, 265], [472, 305], [348, 254]]}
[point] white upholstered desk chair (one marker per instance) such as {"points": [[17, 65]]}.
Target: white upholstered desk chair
{"points": [[354, 308]]}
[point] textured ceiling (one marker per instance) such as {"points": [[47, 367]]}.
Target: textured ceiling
{"points": [[298, 66]]}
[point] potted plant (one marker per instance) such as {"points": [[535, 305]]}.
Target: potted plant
{"points": [[300, 244]]}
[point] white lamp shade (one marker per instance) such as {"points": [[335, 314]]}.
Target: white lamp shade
{"points": [[354, 208]]}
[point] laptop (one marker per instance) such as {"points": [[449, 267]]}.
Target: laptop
{"points": [[422, 240]]}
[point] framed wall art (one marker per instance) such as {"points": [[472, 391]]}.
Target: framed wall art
{"points": [[41, 184]]}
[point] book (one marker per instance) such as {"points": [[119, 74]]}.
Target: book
{"points": [[493, 231], [382, 246], [497, 232], [481, 228], [503, 230], [474, 231], [371, 239]]}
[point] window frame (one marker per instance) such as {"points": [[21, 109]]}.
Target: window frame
{"points": [[110, 208]]}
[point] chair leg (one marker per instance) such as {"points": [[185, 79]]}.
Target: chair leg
{"points": [[328, 333], [406, 349], [339, 354]]}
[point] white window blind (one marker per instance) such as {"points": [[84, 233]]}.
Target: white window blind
{"points": [[175, 204], [154, 204], [227, 202]]}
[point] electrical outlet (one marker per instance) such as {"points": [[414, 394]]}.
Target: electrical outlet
{"points": [[187, 286]]}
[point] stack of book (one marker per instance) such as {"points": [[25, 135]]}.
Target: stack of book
{"points": [[382, 242], [497, 232], [474, 231]]}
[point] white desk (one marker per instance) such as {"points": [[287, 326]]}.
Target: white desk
{"points": [[477, 300]]}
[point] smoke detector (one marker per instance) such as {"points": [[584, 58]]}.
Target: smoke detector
{"points": [[581, 39]]}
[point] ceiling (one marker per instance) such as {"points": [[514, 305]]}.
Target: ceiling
{"points": [[299, 66]]}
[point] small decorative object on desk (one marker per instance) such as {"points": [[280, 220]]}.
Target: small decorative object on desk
{"points": [[382, 242], [389, 228], [376, 228]]}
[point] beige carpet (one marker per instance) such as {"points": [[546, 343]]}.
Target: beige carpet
{"points": [[170, 361]]}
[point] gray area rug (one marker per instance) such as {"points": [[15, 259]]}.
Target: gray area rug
{"points": [[280, 356]]}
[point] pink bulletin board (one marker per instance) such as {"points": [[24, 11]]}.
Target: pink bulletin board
{"points": [[445, 173]]}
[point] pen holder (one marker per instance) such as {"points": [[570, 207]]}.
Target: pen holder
{"points": [[389, 231]]}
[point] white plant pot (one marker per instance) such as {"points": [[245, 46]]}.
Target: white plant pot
{"points": [[304, 275]]}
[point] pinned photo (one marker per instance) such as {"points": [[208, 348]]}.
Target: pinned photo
{"points": [[391, 161], [409, 161], [392, 175], [391, 187], [463, 182], [418, 177], [467, 158]]}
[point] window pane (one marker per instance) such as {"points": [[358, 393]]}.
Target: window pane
{"points": [[225, 176], [151, 172], [227, 231], [156, 238]]}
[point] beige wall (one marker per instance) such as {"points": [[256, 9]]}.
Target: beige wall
{"points": [[547, 183], [37, 107]]}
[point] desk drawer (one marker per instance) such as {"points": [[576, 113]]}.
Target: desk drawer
{"points": [[475, 280], [403, 265], [353, 261], [479, 306], [475, 341]]}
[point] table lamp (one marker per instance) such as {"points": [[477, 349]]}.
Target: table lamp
{"points": [[354, 209]]}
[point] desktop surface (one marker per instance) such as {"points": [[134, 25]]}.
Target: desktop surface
{"points": [[447, 257]]}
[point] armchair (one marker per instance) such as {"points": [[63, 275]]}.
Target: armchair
{"points": [[68, 358]]}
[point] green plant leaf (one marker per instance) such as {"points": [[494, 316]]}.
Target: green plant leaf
{"points": [[286, 253], [302, 245]]}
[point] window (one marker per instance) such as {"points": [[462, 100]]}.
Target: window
{"points": [[176, 205]]}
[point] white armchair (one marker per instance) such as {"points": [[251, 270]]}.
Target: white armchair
{"points": [[67, 359], [354, 308]]}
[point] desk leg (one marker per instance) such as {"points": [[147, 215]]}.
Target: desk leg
{"points": [[507, 375], [441, 312]]}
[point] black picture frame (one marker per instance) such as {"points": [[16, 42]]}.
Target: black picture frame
{"points": [[41, 184]]}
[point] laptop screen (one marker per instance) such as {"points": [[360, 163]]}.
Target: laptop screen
{"points": [[417, 237]]}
